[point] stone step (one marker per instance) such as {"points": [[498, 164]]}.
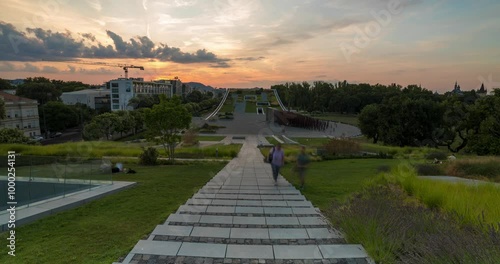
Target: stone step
{"points": [[245, 233], [249, 196], [235, 210], [146, 250], [246, 220]]}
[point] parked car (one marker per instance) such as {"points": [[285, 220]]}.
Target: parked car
{"points": [[56, 134], [37, 138]]}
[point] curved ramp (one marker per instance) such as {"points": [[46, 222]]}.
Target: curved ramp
{"points": [[219, 106], [279, 100]]}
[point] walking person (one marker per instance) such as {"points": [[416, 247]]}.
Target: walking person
{"points": [[277, 162], [302, 162]]}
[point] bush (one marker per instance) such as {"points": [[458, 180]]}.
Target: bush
{"points": [[342, 147], [189, 137], [473, 168], [149, 156], [394, 228], [429, 170], [436, 155]]}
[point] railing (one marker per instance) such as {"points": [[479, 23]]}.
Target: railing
{"points": [[279, 100], [39, 178], [220, 106]]}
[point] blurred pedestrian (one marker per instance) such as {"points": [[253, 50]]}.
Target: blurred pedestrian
{"points": [[277, 162], [302, 162]]}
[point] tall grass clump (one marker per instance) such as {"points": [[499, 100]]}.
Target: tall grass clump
{"points": [[395, 228], [342, 147], [476, 204], [476, 167]]}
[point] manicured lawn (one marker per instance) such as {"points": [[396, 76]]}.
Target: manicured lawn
{"points": [[106, 229], [312, 142], [335, 180], [227, 107], [250, 107], [347, 118], [79, 149]]}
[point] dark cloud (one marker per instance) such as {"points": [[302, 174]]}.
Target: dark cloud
{"points": [[250, 58], [37, 44]]}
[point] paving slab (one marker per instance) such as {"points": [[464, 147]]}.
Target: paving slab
{"points": [[250, 233], [148, 247], [312, 221], [288, 233], [220, 209], [223, 202], [299, 203], [198, 202], [297, 252], [249, 203], [216, 219], [274, 203], [202, 250], [249, 210], [250, 251], [302, 211], [282, 220], [192, 208], [184, 218], [277, 210], [343, 251], [322, 233], [201, 231], [168, 230], [247, 220]]}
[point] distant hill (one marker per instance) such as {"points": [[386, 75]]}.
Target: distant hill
{"points": [[200, 86]]}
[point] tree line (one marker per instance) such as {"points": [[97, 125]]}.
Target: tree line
{"points": [[406, 116]]}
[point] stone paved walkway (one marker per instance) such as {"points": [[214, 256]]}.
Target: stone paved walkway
{"points": [[241, 217]]}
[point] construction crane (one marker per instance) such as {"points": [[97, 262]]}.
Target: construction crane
{"points": [[125, 67]]}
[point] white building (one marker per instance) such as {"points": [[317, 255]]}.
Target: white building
{"points": [[94, 98], [122, 90], [20, 113]]}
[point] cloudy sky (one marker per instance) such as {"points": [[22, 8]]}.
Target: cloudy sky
{"points": [[248, 43]]}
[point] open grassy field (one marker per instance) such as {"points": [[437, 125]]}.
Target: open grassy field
{"points": [[343, 118], [250, 107], [106, 229], [337, 179]]}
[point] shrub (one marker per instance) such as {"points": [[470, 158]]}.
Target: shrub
{"points": [[473, 168], [436, 155], [342, 147], [394, 228], [149, 156], [189, 137], [429, 170]]}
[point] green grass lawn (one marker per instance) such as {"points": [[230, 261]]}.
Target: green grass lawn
{"points": [[335, 180], [344, 118], [106, 229], [250, 107], [311, 142], [227, 107]]}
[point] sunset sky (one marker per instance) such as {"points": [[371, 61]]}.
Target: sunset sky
{"points": [[249, 43]]}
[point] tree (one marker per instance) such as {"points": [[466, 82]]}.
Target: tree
{"points": [[195, 96], [4, 84], [13, 136], [42, 92], [2, 108], [103, 125], [58, 116], [165, 121], [369, 122], [125, 122]]}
